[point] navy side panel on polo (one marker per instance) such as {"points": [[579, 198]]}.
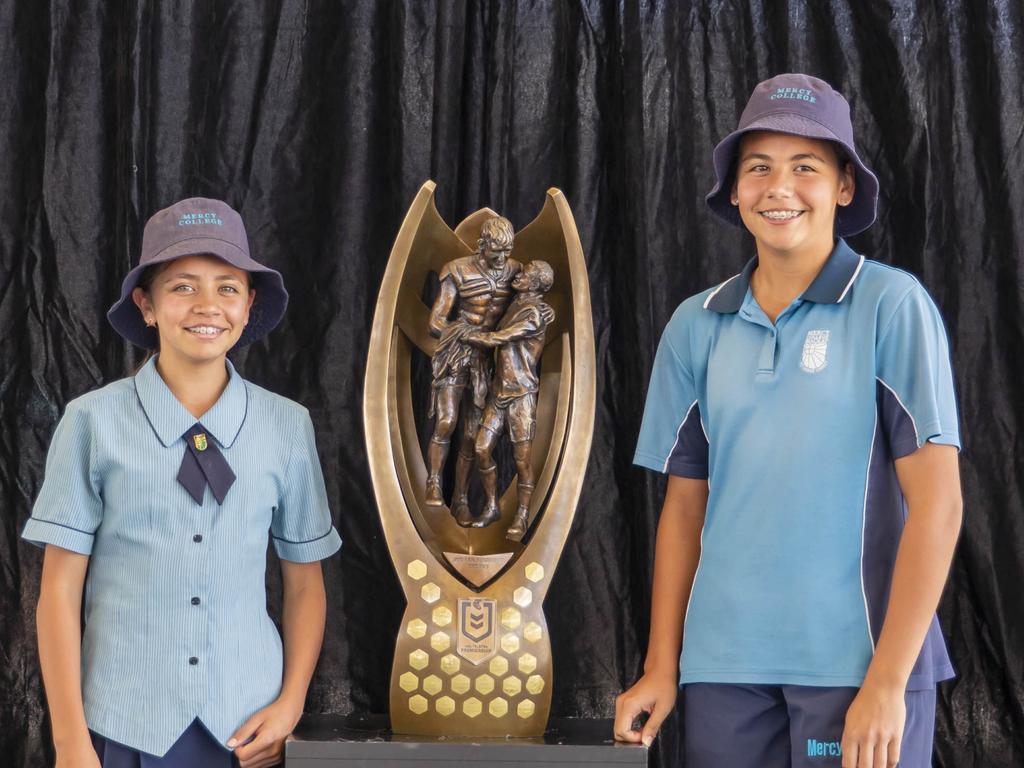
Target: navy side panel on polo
{"points": [[796, 426]]}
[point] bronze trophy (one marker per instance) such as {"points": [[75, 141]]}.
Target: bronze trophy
{"points": [[510, 344]]}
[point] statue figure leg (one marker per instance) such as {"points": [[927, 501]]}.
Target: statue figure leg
{"points": [[522, 426], [486, 438], [524, 491], [447, 415], [464, 461]]}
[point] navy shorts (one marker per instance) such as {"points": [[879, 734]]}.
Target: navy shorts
{"points": [[194, 748], [786, 726]]}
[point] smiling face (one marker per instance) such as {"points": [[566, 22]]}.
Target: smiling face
{"points": [[787, 189], [536, 276], [525, 280], [495, 255], [200, 306]]}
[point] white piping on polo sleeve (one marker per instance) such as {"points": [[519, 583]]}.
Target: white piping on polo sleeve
{"points": [[917, 435]]}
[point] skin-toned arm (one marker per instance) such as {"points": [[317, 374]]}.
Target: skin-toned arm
{"points": [[304, 614], [442, 306], [930, 479], [676, 554], [59, 626]]}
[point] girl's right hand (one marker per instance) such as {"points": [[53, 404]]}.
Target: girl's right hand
{"points": [[654, 694], [79, 756]]}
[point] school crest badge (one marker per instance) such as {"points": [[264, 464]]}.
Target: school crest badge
{"points": [[815, 355], [200, 442], [477, 630]]}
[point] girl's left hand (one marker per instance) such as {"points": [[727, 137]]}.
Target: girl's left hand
{"points": [[262, 736], [874, 728]]}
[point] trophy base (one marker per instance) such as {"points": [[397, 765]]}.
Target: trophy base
{"points": [[329, 741]]}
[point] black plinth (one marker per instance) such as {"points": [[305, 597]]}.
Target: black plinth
{"points": [[326, 741]]}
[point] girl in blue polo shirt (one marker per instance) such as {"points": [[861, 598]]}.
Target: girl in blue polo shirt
{"points": [[159, 494], [804, 412]]}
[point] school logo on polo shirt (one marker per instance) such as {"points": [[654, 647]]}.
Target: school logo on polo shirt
{"points": [[815, 355]]}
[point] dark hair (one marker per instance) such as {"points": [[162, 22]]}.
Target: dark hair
{"points": [[842, 156], [148, 275]]}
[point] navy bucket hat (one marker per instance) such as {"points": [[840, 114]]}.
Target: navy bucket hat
{"points": [[193, 227], [800, 105]]}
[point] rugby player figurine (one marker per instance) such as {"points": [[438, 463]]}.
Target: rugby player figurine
{"points": [[477, 288], [519, 340]]}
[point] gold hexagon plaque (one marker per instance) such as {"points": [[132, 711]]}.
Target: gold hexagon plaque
{"points": [[488, 582], [440, 641], [512, 686], [432, 685], [460, 683]]}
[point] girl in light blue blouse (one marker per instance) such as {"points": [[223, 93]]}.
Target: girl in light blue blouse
{"points": [[159, 493]]}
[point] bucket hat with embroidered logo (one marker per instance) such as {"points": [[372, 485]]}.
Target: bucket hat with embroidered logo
{"points": [[194, 227], [800, 105]]}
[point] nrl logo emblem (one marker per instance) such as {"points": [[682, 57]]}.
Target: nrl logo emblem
{"points": [[813, 358], [477, 639]]}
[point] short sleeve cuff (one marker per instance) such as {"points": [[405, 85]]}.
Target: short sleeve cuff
{"points": [[42, 532], [310, 551], [907, 443], [934, 433], [945, 439], [649, 461], [690, 469]]}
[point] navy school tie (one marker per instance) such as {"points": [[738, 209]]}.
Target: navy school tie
{"points": [[204, 463]]}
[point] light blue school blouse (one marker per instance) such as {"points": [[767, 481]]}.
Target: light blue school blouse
{"points": [[176, 623]]}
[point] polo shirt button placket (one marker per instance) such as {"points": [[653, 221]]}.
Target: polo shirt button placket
{"points": [[766, 363]]}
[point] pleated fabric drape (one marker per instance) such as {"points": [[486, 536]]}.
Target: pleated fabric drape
{"points": [[318, 120]]}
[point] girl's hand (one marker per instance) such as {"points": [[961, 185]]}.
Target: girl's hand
{"points": [[262, 736], [654, 694], [874, 727]]}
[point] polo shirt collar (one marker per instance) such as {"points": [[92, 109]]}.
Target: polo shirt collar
{"points": [[170, 419], [830, 286]]}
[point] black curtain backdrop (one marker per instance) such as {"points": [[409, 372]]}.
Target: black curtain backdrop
{"points": [[319, 120]]}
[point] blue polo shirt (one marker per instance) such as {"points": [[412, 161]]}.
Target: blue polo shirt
{"points": [[176, 623], [796, 426]]}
